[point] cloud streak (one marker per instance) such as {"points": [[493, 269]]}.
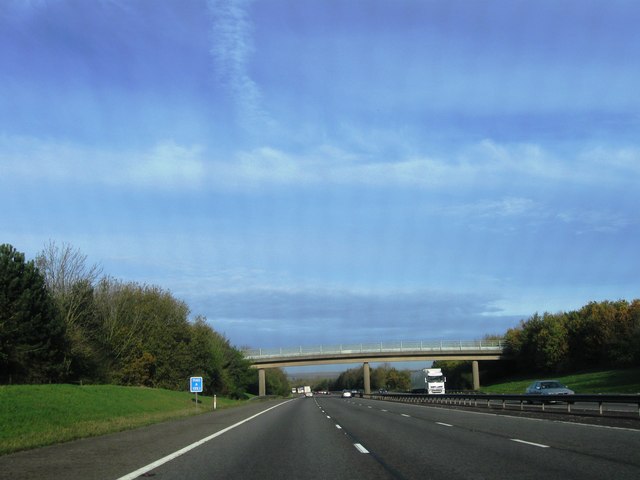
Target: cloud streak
{"points": [[171, 165], [164, 166], [231, 50]]}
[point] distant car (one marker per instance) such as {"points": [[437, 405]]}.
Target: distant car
{"points": [[346, 394], [548, 387]]}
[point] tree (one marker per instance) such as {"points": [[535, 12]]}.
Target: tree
{"points": [[63, 269], [631, 348], [140, 372], [31, 333], [207, 355], [398, 380], [389, 378], [237, 373], [167, 335], [277, 382], [121, 327], [350, 379], [71, 282]]}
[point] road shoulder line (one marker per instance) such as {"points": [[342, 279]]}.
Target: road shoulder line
{"points": [[182, 451]]}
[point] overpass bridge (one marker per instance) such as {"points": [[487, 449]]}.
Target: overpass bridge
{"points": [[402, 351]]}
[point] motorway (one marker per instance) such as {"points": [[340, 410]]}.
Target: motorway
{"points": [[331, 437]]}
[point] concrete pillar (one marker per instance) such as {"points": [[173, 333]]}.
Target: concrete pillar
{"points": [[476, 375], [262, 383], [367, 379]]}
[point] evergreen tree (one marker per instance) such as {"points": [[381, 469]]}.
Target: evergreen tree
{"points": [[31, 333]]}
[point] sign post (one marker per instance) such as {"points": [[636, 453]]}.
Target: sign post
{"points": [[195, 386]]}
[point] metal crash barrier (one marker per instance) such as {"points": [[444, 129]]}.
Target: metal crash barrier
{"points": [[520, 402]]}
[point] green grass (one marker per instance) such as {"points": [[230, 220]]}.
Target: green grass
{"points": [[607, 381], [37, 415]]}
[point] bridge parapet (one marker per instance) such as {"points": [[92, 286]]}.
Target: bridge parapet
{"points": [[496, 346]]}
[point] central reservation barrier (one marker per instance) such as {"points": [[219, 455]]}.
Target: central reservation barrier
{"points": [[520, 402]]}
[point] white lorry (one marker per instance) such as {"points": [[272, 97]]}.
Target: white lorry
{"points": [[307, 391], [428, 380]]}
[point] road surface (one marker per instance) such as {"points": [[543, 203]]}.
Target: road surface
{"points": [[330, 437]]}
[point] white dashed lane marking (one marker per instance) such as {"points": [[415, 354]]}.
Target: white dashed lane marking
{"points": [[360, 448], [530, 443]]}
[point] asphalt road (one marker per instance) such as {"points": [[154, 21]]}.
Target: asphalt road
{"points": [[416, 442], [331, 437]]}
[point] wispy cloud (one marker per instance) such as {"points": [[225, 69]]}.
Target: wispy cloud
{"points": [[231, 49], [472, 166], [590, 220], [168, 164], [502, 208], [171, 165], [529, 213], [163, 166]]}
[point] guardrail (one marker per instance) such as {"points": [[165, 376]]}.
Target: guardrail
{"points": [[379, 347], [505, 401]]}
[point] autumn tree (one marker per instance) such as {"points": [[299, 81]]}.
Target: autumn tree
{"points": [[121, 326], [71, 280], [389, 378]]}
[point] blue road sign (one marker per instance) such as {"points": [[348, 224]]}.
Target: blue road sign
{"points": [[196, 384]]}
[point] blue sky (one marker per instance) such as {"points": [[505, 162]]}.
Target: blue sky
{"points": [[324, 171]]}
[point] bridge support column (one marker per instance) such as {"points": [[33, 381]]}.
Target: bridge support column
{"points": [[367, 379], [262, 383], [476, 375]]}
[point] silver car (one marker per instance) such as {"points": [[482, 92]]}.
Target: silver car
{"points": [[548, 387]]}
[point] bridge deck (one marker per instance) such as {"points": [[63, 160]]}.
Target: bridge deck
{"points": [[377, 352]]}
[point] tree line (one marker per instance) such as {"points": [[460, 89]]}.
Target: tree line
{"points": [[384, 377], [599, 335], [61, 320]]}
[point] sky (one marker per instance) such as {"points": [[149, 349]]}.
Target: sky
{"points": [[305, 172]]}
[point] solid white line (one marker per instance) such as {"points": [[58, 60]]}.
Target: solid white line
{"points": [[530, 443], [444, 424], [360, 448], [188, 448]]}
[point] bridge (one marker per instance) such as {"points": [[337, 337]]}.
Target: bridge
{"points": [[403, 351]]}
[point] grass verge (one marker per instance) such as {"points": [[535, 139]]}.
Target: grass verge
{"points": [[605, 381], [38, 415]]}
